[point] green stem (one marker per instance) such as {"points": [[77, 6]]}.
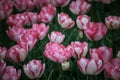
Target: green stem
{"points": [[50, 74]]}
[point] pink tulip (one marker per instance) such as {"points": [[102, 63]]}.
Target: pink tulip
{"points": [[105, 1], [2, 68], [79, 7], [17, 53], [41, 30], [112, 22], [80, 49], [11, 73], [82, 21], [6, 8], [112, 69], [3, 52], [24, 5], [95, 31], [91, 67], [104, 53], [57, 52], [34, 69], [47, 13], [61, 3], [56, 36], [15, 33], [65, 21]]}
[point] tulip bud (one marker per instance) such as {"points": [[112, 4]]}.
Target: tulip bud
{"points": [[82, 21], [65, 65], [118, 55], [34, 69], [57, 52], [2, 68], [81, 34], [65, 21], [41, 30], [3, 52], [56, 36], [11, 73]]}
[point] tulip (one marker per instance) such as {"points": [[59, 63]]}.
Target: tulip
{"points": [[17, 53], [23, 5], [95, 31], [56, 36], [112, 69], [82, 21], [47, 13], [91, 67], [15, 33], [34, 69], [118, 55], [65, 65], [80, 49], [105, 1], [61, 3], [2, 68], [41, 30], [104, 53], [6, 8], [57, 52], [65, 21], [30, 38], [80, 33], [112, 22], [3, 52], [11, 73], [79, 7]]}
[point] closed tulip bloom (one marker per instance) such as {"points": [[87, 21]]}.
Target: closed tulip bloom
{"points": [[15, 33], [56, 36], [65, 65], [47, 13], [61, 3], [112, 69], [2, 68], [65, 21], [6, 8], [41, 30], [57, 52], [79, 7], [11, 73], [17, 53], [80, 49], [91, 67], [104, 53], [118, 55], [24, 5], [82, 21], [95, 31], [34, 69], [3, 52], [112, 22]]}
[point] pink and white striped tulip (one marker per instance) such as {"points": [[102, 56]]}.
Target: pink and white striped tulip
{"points": [[2, 68], [17, 53], [65, 21], [112, 69], [80, 49], [24, 5], [61, 3], [57, 52], [6, 8], [47, 13], [29, 37], [112, 22], [79, 7], [56, 36], [91, 67], [34, 69], [11, 73], [95, 31], [3, 52], [82, 21], [104, 53], [41, 30], [15, 33]]}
